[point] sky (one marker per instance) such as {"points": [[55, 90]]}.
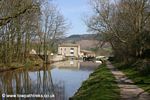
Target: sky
{"points": [[74, 12]]}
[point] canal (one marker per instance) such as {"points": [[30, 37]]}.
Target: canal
{"points": [[57, 81]]}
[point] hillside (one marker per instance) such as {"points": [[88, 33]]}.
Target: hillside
{"points": [[86, 41], [82, 37]]}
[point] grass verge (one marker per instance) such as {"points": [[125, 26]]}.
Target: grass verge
{"points": [[32, 62], [100, 85], [143, 81]]}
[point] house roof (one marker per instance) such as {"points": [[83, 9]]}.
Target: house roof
{"points": [[69, 45]]}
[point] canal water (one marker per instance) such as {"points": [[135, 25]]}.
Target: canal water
{"points": [[58, 81]]}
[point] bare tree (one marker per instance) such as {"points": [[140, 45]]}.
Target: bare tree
{"points": [[122, 23], [16, 25], [54, 26], [24, 21]]}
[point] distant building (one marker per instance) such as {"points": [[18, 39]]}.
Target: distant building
{"points": [[69, 50], [86, 53], [32, 52]]}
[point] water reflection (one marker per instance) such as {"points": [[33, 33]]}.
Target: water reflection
{"points": [[72, 73], [26, 82], [72, 64], [75, 65], [61, 79]]}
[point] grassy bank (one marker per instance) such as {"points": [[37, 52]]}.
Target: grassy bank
{"points": [[29, 63], [100, 85], [142, 81]]}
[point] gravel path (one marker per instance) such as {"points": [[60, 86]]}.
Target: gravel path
{"points": [[128, 90]]}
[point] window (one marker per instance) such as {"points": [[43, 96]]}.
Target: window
{"points": [[71, 48], [71, 52]]}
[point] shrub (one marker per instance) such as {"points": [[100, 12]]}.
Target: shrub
{"points": [[143, 66]]}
